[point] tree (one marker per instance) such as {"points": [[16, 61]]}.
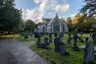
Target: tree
{"points": [[29, 26], [89, 8], [69, 20], [69, 23], [9, 16]]}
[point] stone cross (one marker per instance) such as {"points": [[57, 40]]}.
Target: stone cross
{"points": [[88, 52]]}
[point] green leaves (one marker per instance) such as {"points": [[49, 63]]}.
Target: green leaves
{"points": [[9, 15], [29, 26], [89, 7]]}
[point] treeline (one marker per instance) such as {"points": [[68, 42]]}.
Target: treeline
{"points": [[11, 18], [85, 20]]}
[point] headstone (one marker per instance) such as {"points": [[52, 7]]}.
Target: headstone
{"points": [[88, 52], [86, 40], [31, 34], [46, 41], [39, 38], [69, 39], [57, 44], [94, 38], [61, 35], [50, 37], [55, 34], [26, 36], [80, 39], [75, 37]]}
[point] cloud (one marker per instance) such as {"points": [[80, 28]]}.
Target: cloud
{"points": [[62, 8], [43, 6]]}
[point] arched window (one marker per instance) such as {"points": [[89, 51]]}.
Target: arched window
{"points": [[63, 27], [44, 29], [56, 27]]}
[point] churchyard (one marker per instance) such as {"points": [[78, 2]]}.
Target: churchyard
{"points": [[63, 50]]}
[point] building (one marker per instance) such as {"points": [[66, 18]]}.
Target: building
{"points": [[54, 25]]}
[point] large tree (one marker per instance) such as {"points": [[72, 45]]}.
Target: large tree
{"points": [[29, 26], [89, 8], [9, 16]]}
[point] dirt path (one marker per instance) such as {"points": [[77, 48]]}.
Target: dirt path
{"points": [[15, 52]]}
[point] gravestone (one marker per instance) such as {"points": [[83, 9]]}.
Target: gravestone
{"points": [[39, 38], [69, 39], [88, 52], [46, 41], [86, 40], [61, 35], [63, 48], [55, 34], [94, 38], [75, 37], [50, 37], [31, 34], [57, 44], [80, 39], [25, 35]]}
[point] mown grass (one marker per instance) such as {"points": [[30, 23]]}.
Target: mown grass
{"points": [[74, 57], [9, 36], [21, 38]]}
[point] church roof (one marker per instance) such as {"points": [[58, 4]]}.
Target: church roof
{"points": [[50, 22]]}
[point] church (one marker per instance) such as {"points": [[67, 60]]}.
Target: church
{"points": [[54, 25]]}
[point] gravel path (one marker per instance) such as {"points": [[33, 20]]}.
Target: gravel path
{"points": [[13, 51]]}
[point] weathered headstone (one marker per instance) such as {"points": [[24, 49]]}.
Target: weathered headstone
{"points": [[50, 37], [26, 36], [55, 34], [39, 38], [46, 41], [57, 44], [86, 40], [80, 39], [75, 37], [31, 34], [69, 39], [94, 38], [89, 52], [61, 35]]}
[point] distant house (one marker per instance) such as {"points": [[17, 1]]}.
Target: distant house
{"points": [[54, 25]]}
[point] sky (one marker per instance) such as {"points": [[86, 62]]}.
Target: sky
{"points": [[38, 9]]}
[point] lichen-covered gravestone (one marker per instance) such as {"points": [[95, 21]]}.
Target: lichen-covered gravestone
{"points": [[57, 44], [89, 52]]}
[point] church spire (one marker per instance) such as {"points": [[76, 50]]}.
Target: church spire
{"points": [[56, 14]]}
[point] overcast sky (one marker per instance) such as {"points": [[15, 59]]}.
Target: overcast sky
{"points": [[36, 9]]}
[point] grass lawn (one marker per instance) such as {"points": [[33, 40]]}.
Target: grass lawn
{"points": [[9, 36], [75, 57], [21, 38]]}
